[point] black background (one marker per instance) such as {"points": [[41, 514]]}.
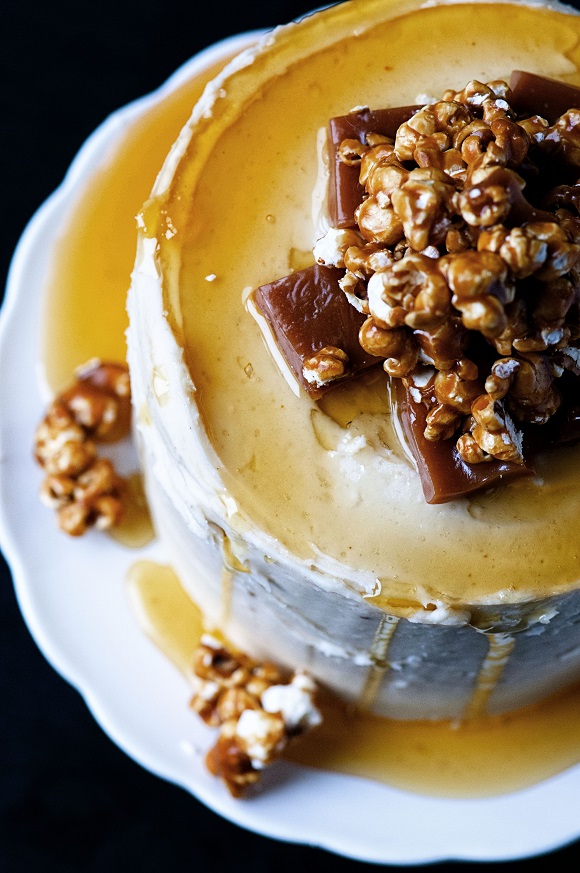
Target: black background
{"points": [[70, 800]]}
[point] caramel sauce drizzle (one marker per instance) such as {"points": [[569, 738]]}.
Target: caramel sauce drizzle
{"points": [[227, 592], [500, 648], [380, 665], [135, 529]]}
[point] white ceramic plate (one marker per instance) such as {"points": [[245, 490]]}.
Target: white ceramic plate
{"points": [[73, 597]]}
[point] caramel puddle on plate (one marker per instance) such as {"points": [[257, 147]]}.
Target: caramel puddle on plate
{"points": [[480, 758], [135, 529], [165, 612]]}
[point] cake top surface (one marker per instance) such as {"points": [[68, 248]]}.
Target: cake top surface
{"points": [[331, 480]]}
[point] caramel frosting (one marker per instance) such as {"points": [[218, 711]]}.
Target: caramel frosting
{"points": [[317, 505]]}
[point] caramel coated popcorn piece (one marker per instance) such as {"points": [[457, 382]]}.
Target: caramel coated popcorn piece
{"points": [[83, 489], [258, 712], [93, 499], [327, 365], [423, 205], [494, 430]]}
